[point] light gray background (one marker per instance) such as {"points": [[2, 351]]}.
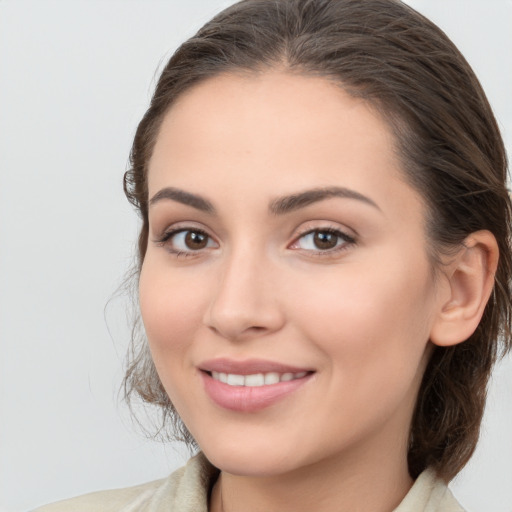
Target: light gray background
{"points": [[75, 78]]}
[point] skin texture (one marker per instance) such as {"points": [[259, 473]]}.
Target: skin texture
{"points": [[359, 316]]}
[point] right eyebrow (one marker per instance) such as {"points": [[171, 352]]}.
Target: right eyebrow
{"points": [[293, 202], [175, 194]]}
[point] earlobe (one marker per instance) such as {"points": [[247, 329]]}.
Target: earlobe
{"points": [[469, 281]]}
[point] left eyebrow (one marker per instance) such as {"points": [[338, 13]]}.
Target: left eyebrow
{"points": [[183, 197], [293, 202]]}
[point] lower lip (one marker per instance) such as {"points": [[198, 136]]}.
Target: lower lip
{"points": [[246, 398]]}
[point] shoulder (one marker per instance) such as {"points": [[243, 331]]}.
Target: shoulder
{"points": [[429, 494], [185, 489], [105, 501]]}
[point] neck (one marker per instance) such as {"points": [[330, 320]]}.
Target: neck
{"points": [[374, 481]]}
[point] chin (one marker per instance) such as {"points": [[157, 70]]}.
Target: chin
{"points": [[253, 460]]}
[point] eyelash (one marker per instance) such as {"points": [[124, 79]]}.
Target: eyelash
{"points": [[347, 240], [168, 235]]}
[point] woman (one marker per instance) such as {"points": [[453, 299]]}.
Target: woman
{"points": [[324, 261]]}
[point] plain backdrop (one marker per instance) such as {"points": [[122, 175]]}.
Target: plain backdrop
{"points": [[75, 78]]}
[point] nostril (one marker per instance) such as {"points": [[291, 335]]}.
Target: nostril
{"points": [[234, 317]]}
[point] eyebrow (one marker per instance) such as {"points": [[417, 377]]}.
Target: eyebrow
{"points": [[278, 206], [293, 202], [180, 196]]}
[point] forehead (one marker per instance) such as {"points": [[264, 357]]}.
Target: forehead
{"points": [[270, 109], [273, 130]]}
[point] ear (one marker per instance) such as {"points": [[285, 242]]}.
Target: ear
{"points": [[468, 286]]}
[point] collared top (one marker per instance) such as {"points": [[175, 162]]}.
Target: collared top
{"points": [[187, 490]]}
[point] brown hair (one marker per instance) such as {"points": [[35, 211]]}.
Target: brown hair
{"points": [[449, 145]]}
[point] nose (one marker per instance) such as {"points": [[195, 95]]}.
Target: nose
{"points": [[245, 300]]}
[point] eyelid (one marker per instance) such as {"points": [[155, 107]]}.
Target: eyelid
{"points": [[171, 231], [324, 225], [175, 227], [348, 239]]}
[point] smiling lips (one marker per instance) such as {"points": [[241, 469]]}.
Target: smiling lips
{"points": [[251, 385], [256, 379]]}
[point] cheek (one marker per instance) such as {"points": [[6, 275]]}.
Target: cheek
{"points": [[170, 308], [373, 333], [371, 320]]}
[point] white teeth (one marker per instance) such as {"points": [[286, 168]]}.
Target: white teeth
{"points": [[235, 380], [257, 379], [254, 380], [222, 377], [271, 378]]}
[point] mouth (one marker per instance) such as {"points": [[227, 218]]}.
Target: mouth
{"points": [[256, 379], [251, 385]]}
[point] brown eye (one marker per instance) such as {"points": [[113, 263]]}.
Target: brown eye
{"points": [[325, 240], [196, 240], [187, 241]]}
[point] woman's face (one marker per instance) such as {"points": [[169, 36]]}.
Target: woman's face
{"points": [[286, 256]]}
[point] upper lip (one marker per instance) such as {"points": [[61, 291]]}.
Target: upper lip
{"points": [[248, 366]]}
